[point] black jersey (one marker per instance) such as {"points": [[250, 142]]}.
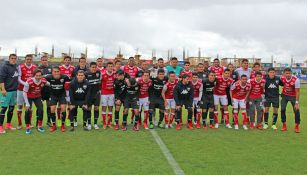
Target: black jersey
{"points": [[119, 89], [79, 91], [46, 70], [57, 86], [202, 75], [208, 87], [132, 92], [77, 68], [155, 89], [95, 81], [272, 86], [184, 93]]}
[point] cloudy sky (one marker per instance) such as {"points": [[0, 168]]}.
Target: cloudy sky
{"points": [[259, 28]]}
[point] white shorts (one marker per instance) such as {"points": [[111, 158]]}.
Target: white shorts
{"points": [[195, 101], [239, 103], [220, 99], [107, 100], [144, 102], [20, 99], [171, 104]]}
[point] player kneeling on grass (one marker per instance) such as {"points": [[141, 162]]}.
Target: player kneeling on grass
{"points": [[290, 93], [119, 94], [93, 76], [169, 102], [198, 87], [255, 99], [59, 85], [32, 94], [80, 92], [131, 101], [271, 94], [239, 93], [183, 95], [207, 100]]}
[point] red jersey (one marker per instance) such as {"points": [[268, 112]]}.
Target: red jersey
{"points": [[144, 87], [101, 69], [169, 89], [132, 71], [253, 74], [218, 70], [290, 85], [257, 88], [197, 87], [107, 83], [25, 72], [238, 91], [221, 85], [33, 89], [67, 70], [190, 73]]}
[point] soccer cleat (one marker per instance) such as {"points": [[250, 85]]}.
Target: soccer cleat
{"points": [[178, 127], [19, 127], [116, 126], [259, 126], [161, 125], [2, 131], [89, 127], [151, 126], [124, 127], [85, 128], [228, 126], [59, 123], [166, 126], [67, 122], [265, 126], [197, 125], [274, 127], [53, 128], [170, 125], [252, 125], [216, 126], [145, 126], [297, 128], [63, 128], [9, 126], [28, 131], [245, 127], [40, 129], [136, 127], [72, 129], [284, 127], [211, 126], [96, 127], [236, 127], [190, 125], [75, 124]]}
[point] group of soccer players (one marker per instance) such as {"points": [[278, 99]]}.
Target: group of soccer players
{"points": [[202, 92]]}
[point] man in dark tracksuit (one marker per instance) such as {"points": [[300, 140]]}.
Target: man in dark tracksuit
{"points": [[79, 93], [119, 95], [93, 76], [8, 86], [183, 95], [46, 70]]}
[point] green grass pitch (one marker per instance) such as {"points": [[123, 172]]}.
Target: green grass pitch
{"points": [[222, 151]]}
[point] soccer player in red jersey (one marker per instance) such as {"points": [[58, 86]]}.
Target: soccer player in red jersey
{"points": [[32, 94], [186, 70], [217, 68], [25, 71], [144, 83], [168, 97], [130, 68], [99, 63], [198, 86], [256, 68], [220, 97], [290, 93], [256, 99], [107, 94], [239, 92]]}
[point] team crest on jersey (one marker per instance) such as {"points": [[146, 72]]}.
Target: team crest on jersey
{"points": [[61, 80], [49, 69], [84, 86], [188, 89], [97, 74], [277, 81]]}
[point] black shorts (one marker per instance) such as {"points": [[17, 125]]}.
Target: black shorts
{"points": [[54, 100], [271, 102], [78, 103], [131, 103], [207, 102], [94, 99], [156, 103], [187, 105]]}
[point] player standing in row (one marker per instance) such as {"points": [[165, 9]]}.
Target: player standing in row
{"points": [[120, 95], [198, 87], [174, 67], [99, 62], [217, 68], [32, 94], [239, 94], [186, 70], [25, 71], [169, 101]]}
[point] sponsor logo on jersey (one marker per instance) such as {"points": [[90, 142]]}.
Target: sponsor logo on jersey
{"points": [[79, 90]]}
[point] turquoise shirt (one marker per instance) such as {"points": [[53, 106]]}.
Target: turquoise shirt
{"points": [[177, 69]]}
